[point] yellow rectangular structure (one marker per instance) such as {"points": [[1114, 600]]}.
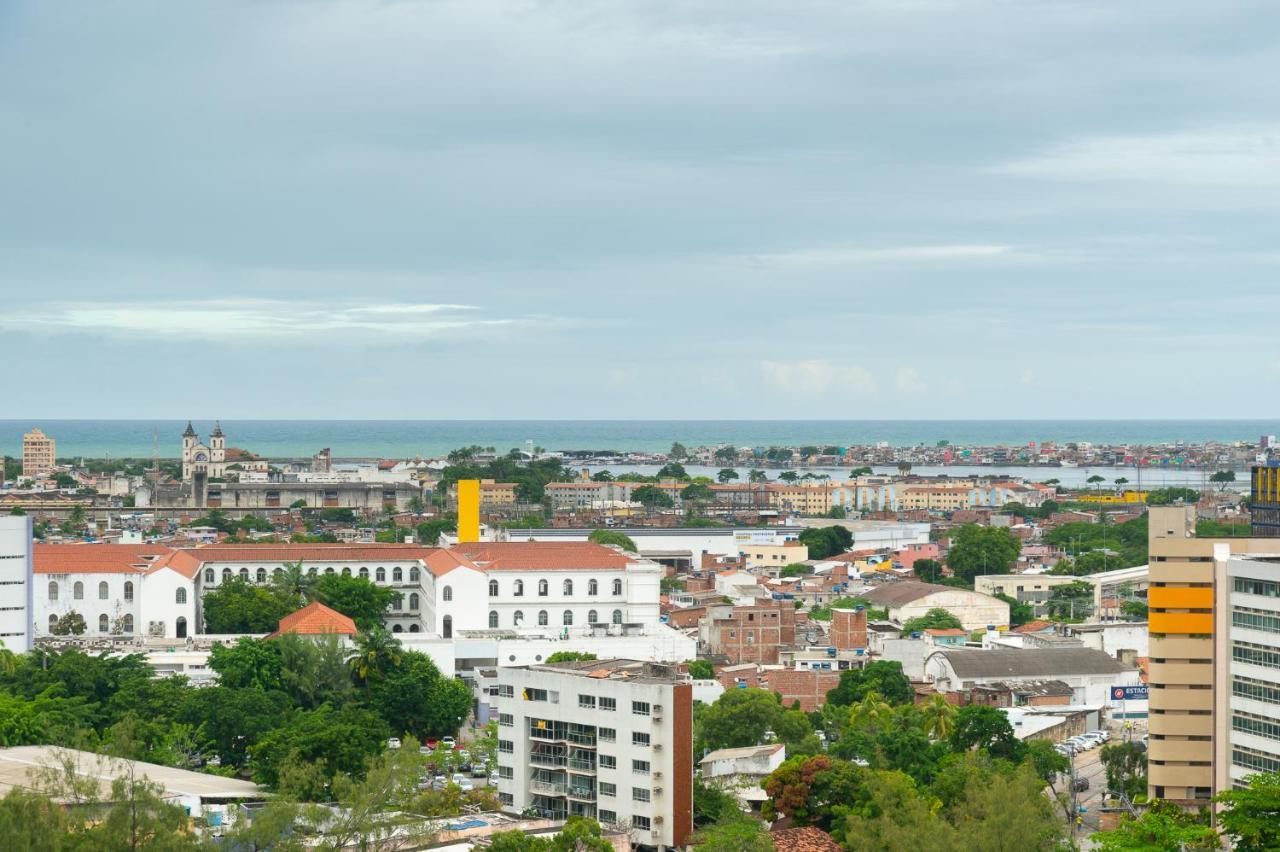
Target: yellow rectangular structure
{"points": [[1180, 622], [468, 510], [1164, 597]]}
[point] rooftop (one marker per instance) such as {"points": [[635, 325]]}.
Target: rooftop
{"points": [[896, 594], [1041, 663], [745, 752], [630, 670], [316, 619], [18, 764]]}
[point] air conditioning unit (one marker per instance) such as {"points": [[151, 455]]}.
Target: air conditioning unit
{"points": [[657, 711], [657, 820], [657, 773], [657, 746], [657, 791], [657, 832]]}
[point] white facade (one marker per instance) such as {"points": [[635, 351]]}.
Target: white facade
{"points": [[110, 603], [1091, 680], [610, 739], [1252, 688], [751, 762], [16, 606]]}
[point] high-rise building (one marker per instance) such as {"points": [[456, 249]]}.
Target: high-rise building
{"points": [[1189, 623], [15, 583], [39, 454], [606, 739], [1247, 735], [1264, 499]]}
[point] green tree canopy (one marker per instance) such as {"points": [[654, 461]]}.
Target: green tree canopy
{"points": [[824, 542], [1251, 816], [652, 497], [884, 677], [238, 606], [570, 656], [364, 601], [979, 550], [936, 618], [613, 537]]}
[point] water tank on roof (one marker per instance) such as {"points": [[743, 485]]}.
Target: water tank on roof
{"points": [[831, 652]]}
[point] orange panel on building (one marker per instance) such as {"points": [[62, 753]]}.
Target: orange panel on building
{"points": [[1163, 597], [1180, 622]]}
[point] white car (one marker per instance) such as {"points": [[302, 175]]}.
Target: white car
{"points": [[394, 742]]}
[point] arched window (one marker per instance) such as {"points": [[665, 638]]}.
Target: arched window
{"points": [[413, 601], [181, 626], [568, 617], [329, 570], [364, 573], [126, 624], [53, 622], [448, 593], [397, 602], [244, 574], [568, 588], [209, 576], [104, 623], [180, 596], [591, 616], [542, 588], [262, 575], [53, 591], [617, 587], [517, 618], [413, 628], [447, 632], [493, 588], [593, 588], [542, 618], [493, 618], [396, 575], [380, 575], [518, 589], [128, 590], [104, 591], [346, 570], [226, 574], [77, 590], [276, 572], [414, 575], [617, 616], [312, 571], [397, 629]]}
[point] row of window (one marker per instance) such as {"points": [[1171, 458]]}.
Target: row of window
{"points": [[104, 623], [637, 821], [1250, 586], [1259, 690], [566, 618], [1251, 758], [1258, 619], [590, 702], [1252, 723], [379, 574], [104, 591], [517, 588], [1259, 655]]}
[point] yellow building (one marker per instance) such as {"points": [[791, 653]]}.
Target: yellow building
{"points": [[773, 555], [39, 454], [810, 499], [937, 498], [1126, 498]]}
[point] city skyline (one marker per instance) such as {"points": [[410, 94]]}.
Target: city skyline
{"points": [[915, 211]]}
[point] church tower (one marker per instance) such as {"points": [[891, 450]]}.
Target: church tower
{"points": [[217, 450], [189, 442]]}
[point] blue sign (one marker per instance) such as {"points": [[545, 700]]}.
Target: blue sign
{"points": [[1129, 693]]}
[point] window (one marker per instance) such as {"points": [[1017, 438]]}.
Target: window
{"points": [[447, 629], [413, 601], [448, 593], [506, 772], [542, 618], [518, 589], [608, 761], [53, 622], [346, 570], [640, 708], [1250, 758], [617, 587], [53, 592], [1259, 655], [380, 575], [506, 720], [608, 816], [1250, 586], [607, 735], [128, 590], [493, 588], [640, 767], [587, 702], [413, 628], [397, 575], [77, 591], [542, 588], [607, 789], [639, 738], [568, 588], [244, 574], [639, 794], [608, 703], [103, 623], [506, 690], [226, 574], [567, 618], [1257, 619], [397, 629], [126, 624], [329, 570], [1252, 723], [593, 588], [493, 618], [414, 575], [617, 616], [640, 822], [397, 602], [1258, 690], [262, 575], [591, 616], [209, 576], [180, 596], [505, 746], [364, 573], [506, 799]]}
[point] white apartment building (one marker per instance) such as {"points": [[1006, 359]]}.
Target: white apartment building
{"points": [[1248, 721], [607, 739], [15, 583]]}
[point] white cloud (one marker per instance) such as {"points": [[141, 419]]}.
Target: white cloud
{"points": [[818, 376], [254, 318], [833, 256], [1238, 156], [909, 381]]}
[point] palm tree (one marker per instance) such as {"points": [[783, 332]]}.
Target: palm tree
{"points": [[8, 661], [292, 583], [872, 712], [377, 652], [938, 717]]}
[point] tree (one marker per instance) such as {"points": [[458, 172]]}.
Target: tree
{"points": [[928, 570], [33, 822], [579, 834], [248, 664], [1136, 610], [429, 531], [1251, 816], [672, 470], [238, 606], [1126, 765], [363, 601], [378, 652], [68, 624], [1162, 826], [678, 451], [613, 537], [229, 722], [701, 670], [982, 550], [1008, 813], [892, 816], [726, 454], [755, 476], [1223, 478], [570, 656], [813, 790], [884, 677], [332, 741], [938, 717], [860, 471], [739, 835], [313, 670], [726, 474], [697, 492], [936, 618], [795, 569], [978, 726], [1019, 613], [337, 515], [788, 476], [824, 542], [292, 583], [1071, 601], [738, 718], [414, 698], [652, 497]]}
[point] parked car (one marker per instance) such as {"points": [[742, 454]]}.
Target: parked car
{"points": [[1080, 785], [394, 742], [449, 742]]}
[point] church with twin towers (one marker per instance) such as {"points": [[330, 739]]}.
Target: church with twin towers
{"points": [[201, 462]]}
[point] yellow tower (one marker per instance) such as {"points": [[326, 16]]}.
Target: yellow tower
{"points": [[468, 510]]}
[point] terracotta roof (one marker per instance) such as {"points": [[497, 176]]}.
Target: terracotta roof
{"points": [[441, 562], [311, 552], [316, 619], [184, 562], [946, 631], [905, 592], [1033, 627], [808, 839], [96, 558], [542, 556]]}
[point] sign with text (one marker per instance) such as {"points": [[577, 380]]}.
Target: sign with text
{"points": [[1129, 693]]}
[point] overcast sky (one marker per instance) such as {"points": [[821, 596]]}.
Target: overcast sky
{"points": [[886, 209]]}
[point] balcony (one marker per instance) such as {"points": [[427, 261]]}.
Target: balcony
{"points": [[579, 765], [548, 788], [544, 759], [585, 794], [588, 740]]}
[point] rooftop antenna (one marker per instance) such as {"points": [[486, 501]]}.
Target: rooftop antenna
{"points": [[155, 450]]}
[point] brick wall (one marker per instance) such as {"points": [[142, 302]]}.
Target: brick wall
{"points": [[849, 628]]}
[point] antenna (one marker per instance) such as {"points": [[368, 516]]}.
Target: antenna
{"points": [[155, 450]]}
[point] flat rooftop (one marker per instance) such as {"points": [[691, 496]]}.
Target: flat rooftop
{"points": [[632, 671], [20, 765]]}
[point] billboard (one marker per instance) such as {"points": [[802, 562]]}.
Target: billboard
{"points": [[1129, 693]]}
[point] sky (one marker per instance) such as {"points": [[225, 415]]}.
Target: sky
{"points": [[882, 209]]}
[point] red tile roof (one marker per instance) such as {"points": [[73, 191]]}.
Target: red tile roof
{"points": [[803, 840], [945, 631], [320, 552], [316, 619], [96, 558], [542, 556], [1033, 627]]}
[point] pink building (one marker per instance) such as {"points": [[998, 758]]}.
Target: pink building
{"points": [[908, 554]]}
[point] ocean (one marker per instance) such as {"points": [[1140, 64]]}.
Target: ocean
{"points": [[411, 438]]}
